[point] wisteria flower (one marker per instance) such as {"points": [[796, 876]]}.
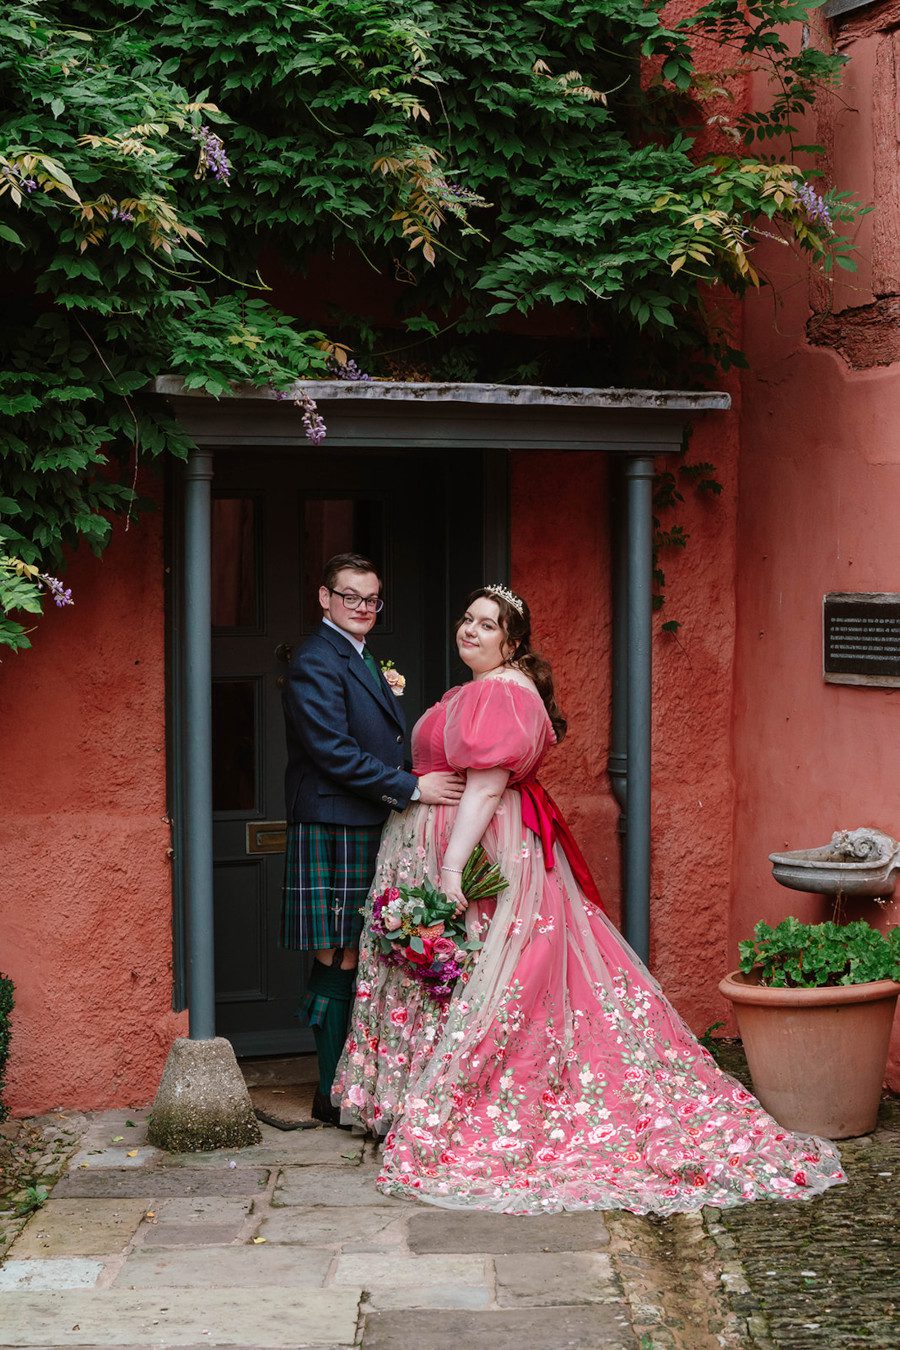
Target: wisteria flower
{"points": [[213, 159], [815, 206], [349, 371], [17, 179], [62, 595], [313, 422]]}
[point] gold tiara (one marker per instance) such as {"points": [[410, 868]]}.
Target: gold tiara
{"points": [[509, 596]]}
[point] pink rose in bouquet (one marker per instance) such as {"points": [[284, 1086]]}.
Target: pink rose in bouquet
{"points": [[444, 948]]}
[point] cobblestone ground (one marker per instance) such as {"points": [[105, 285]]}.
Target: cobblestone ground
{"points": [[825, 1274], [288, 1244], [33, 1156]]}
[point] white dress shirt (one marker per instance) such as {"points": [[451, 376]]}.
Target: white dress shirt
{"points": [[357, 642]]}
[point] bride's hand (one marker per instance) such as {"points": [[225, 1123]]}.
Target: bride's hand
{"points": [[453, 891]]}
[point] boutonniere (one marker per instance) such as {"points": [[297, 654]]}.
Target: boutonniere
{"points": [[396, 681]]}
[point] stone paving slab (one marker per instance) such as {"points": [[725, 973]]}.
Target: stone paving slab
{"points": [[226, 1267], [153, 1235], [79, 1228], [394, 1281], [601, 1327], [469, 1231], [374, 1226], [62, 1273], [117, 1155], [204, 1209], [546, 1279], [103, 1128], [155, 1183], [198, 1221], [336, 1187], [265, 1317], [301, 1148]]}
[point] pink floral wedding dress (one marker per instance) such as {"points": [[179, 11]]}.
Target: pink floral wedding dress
{"points": [[558, 1077]]}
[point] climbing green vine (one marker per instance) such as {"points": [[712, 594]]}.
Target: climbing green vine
{"points": [[482, 161]]}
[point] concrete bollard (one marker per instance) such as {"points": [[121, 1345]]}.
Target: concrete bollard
{"points": [[202, 1102]]}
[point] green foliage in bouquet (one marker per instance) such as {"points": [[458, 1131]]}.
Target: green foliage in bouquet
{"points": [[796, 955]]}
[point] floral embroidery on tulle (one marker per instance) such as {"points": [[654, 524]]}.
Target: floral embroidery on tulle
{"points": [[559, 1077]]}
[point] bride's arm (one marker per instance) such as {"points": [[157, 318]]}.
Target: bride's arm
{"points": [[484, 788]]}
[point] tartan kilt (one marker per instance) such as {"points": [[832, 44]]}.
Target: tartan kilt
{"points": [[328, 870]]}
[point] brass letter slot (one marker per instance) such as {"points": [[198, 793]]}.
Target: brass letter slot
{"points": [[266, 836]]}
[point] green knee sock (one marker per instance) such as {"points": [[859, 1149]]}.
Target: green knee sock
{"points": [[331, 990]]}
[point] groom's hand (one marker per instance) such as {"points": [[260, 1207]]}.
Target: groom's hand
{"points": [[441, 789]]}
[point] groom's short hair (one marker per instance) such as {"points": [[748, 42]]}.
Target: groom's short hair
{"points": [[351, 562]]}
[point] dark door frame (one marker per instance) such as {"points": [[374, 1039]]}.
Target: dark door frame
{"points": [[635, 426], [495, 551]]}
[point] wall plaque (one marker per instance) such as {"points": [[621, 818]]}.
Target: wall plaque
{"points": [[861, 638]]}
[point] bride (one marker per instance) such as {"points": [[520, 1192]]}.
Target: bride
{"points": [[558, 1077]]}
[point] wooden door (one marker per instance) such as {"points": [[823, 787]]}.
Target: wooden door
{"points": [[276, 518]]}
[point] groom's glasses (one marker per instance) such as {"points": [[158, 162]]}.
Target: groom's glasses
{"points": [[353, 601]]}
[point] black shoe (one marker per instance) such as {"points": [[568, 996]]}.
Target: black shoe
{"points": [[323, 1110]]}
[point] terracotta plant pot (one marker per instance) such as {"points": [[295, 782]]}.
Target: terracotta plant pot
{"points": [[817, 1056]]}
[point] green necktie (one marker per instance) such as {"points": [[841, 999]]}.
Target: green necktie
{"points": [[372, 666]]}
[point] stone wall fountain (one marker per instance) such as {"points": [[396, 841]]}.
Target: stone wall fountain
{"points": [[857, 864]]}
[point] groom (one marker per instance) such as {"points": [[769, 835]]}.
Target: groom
{"points": [[345, 737]]}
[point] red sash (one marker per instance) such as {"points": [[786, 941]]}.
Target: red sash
{"points": [[542, 816]]}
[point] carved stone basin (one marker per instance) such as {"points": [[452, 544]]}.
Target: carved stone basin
{"points": [[862, 863]]}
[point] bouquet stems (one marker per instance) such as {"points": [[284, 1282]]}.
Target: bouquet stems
{"points": [[481, 879]]}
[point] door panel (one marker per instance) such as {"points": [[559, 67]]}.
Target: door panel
{"points": [[241, 931], [276, 518]]}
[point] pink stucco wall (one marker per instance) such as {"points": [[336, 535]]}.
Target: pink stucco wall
{"points": [[820, 486], [819, 495], [85, 904]]}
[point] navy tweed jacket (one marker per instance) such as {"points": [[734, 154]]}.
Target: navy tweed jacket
{"points": [[345, 738]]}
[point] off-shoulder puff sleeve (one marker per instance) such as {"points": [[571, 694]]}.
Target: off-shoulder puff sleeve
{"points": [[497, 724]]}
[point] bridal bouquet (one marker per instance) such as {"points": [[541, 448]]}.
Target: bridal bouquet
{"points": [[417, 929]]}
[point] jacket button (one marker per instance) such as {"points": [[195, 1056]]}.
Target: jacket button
{"points": [[399, 740]]}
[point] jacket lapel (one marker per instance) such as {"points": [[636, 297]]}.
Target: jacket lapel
{"points": [[387, 700], [357, 667]]}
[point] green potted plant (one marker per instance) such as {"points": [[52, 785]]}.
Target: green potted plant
{"points": [[814, 1006]]}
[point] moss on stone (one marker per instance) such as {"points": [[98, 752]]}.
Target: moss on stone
{"points": [[188, 1128]]}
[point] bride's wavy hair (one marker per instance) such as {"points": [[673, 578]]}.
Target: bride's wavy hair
{"points": [[517, 628]]}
